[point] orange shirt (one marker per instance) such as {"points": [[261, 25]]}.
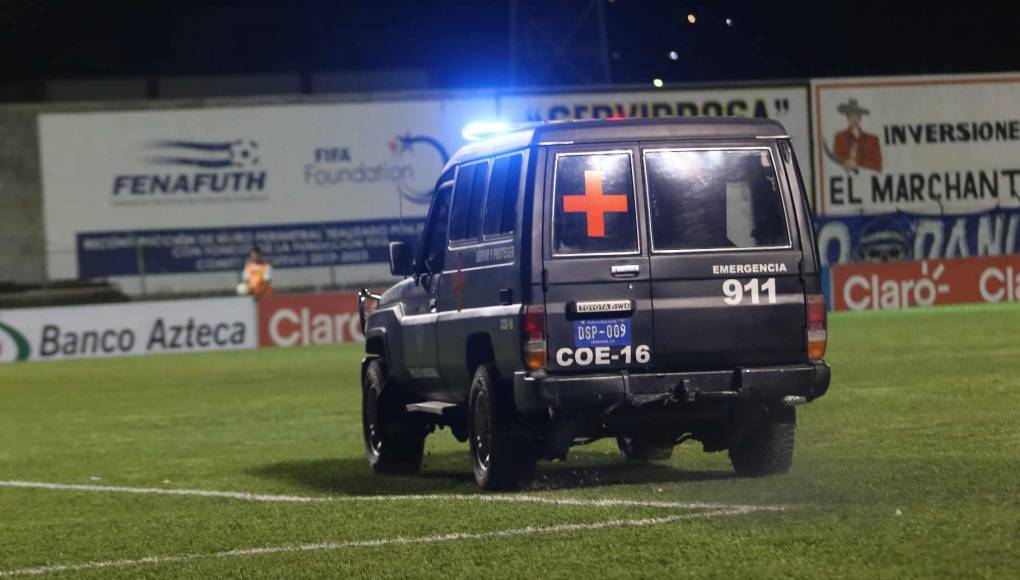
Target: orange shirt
{"points": [[258, 278]]}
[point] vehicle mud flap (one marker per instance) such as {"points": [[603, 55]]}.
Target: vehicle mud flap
{"points": [[559, 437], [527, 397], [742, 418]]}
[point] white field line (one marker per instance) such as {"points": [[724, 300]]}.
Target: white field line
{"points": [[256, 497], [398, 540], [706, 510]]}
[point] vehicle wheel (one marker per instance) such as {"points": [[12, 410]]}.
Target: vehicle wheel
{"points": [[768, 448], [504, 459], [641, 449], [393, 445]]}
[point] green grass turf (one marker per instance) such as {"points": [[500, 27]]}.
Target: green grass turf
{"points": [[923, 417]]}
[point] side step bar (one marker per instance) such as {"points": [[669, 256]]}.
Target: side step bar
{"points": [[432, 408], [446, 415]]}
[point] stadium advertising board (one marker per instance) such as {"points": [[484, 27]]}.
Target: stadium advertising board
{"points": [[932, 145], [191, 190], [913, 283], [185, 193], [127, 329], [905, 236], [306, 319]]}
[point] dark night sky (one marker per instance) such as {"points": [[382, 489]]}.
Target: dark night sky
{"points": [[465, 44]]}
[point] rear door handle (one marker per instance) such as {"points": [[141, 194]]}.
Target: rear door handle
{"points": [[626, 270]]}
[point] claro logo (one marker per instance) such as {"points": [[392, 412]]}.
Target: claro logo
{"points": [[1000, 284], [290, 327], [861, 292], [15, 347]]}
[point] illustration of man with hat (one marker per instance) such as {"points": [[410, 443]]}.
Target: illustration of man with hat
{"points": [[853, 147]]}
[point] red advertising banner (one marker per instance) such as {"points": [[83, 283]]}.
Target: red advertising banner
{"points": [[909, 284], [305, 319]]}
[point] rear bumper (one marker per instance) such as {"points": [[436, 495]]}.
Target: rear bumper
{"points": [[580, 393]]}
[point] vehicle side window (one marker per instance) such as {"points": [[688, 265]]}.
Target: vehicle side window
{"points": [[708, 200], [434, 250], [468, 195], [594, 211], [501, 200]]}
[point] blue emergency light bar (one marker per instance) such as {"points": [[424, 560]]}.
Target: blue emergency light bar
{"points": [[478, 130]]}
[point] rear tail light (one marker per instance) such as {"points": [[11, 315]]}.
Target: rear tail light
{"points": [[534, 336], [817, 333]]}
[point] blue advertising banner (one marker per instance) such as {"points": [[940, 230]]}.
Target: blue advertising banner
{"points": [[909, 236], [172, 251]]}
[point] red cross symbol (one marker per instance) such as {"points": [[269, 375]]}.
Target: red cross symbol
{"points": [[594, 204]]}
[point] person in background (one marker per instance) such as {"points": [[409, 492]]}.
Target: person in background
{"points": [[257, 276]]}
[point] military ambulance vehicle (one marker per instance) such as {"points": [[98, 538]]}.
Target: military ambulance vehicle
{"points": [[652, 280]]}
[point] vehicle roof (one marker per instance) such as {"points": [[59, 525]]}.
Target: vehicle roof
{"points": [[636, 129]]}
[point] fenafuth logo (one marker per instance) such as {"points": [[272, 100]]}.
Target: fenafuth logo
{"points": [[414, 164], [193, 168], [13, 345]]}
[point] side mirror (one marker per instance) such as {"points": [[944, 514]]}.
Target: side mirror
{"points": [[400, 259]]}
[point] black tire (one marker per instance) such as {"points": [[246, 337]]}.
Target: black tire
{"points": [[503, 458], [641, 449], [393, 444], [768, 448]]}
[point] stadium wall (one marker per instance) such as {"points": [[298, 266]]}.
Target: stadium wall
{"points": [[935, 175], [90, 157], [22, 237], [305, 319]]}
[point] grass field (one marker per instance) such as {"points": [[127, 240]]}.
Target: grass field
{"points": [[908, 468]]}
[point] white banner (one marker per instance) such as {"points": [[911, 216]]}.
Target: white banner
{"points": [[177, 197], [786, 104], [935, 145], [127, 329], [191, 190]]}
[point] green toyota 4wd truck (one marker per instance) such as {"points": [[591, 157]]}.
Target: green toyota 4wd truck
{"points": [[652, 280]]}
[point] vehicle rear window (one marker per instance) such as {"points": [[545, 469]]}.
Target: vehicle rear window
{"points": [[714, 199], [594, 204]]}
